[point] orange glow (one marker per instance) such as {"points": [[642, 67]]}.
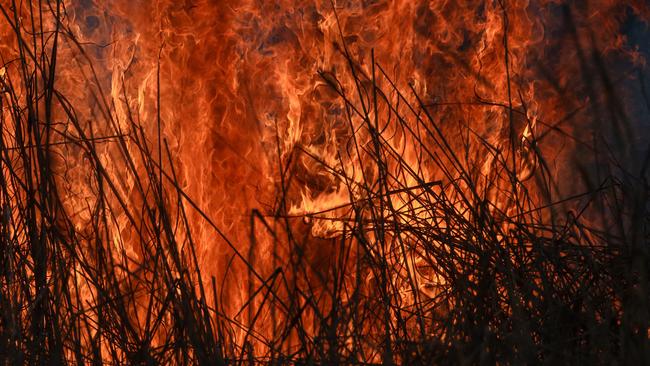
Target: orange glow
{"points": [[240, 107]]}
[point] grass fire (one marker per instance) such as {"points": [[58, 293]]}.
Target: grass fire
{"points": [[222, 182]]}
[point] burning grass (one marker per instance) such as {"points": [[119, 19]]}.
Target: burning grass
{"points": [[438, 244]]}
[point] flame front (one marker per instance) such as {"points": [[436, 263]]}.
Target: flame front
{"points": [[288, 162]]}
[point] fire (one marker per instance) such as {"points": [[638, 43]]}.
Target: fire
{"points": [[281, 161]]}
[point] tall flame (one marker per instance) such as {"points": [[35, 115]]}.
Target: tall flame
{"points": [[267, 115]]}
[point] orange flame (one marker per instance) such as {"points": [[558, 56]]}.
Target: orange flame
{"points": [[246, 96]]}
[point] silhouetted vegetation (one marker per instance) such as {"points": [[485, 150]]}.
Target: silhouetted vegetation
{"points": [[476, 266]]}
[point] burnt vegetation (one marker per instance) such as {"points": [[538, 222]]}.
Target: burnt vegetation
{"points": [[470, 268]]}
